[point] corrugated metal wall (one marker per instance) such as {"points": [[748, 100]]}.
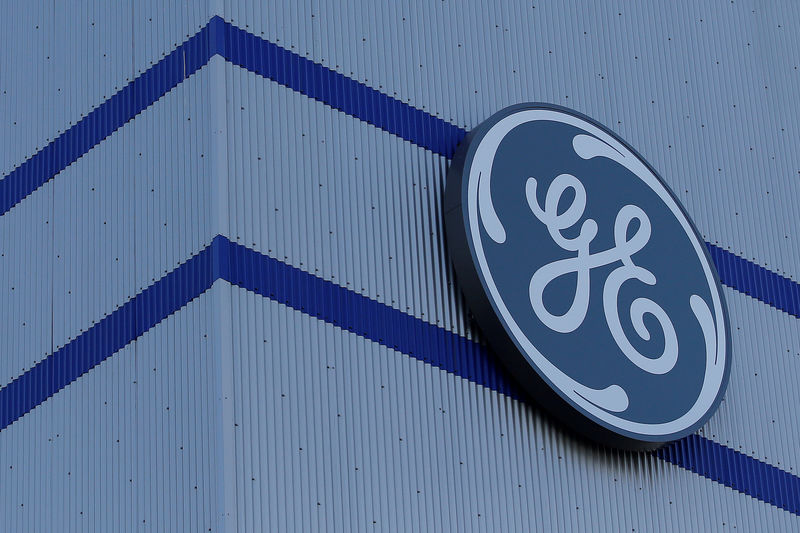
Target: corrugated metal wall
{"points": [[240, 413], [132, 445]]}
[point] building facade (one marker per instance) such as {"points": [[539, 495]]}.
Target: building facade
{"points": [[227, 302]]}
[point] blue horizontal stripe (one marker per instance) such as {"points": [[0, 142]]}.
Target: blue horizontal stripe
{"points": [[307, 293], [351, 312]]}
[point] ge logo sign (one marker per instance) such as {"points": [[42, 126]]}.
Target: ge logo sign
{"points": [[587, 277]]}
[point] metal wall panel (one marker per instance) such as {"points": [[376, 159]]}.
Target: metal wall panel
{"points": [[758, 415], [135, 446], [107, 226], [358, 207], [131, 446], [26, 285], [338, 198], [138, 201], [334, 432], [61, 60], [704, 92]]}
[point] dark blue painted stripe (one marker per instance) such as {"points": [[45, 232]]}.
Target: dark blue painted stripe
{"points": [[363, 316], [736, 470], [325, 85], [336, 90], [352, 312], [104, 120], [756, 281], [108, 336]]}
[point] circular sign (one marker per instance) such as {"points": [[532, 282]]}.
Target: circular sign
{"points": [[587, 277]]}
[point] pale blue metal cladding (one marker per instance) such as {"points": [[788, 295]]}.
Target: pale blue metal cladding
{"points": [[371, 106]]}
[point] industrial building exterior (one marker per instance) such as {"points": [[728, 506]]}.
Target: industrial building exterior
{"points": [[226, 297]]}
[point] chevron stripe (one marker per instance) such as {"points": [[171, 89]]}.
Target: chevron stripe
{"points": [[105, 119], [357, 314], [312, 295]]}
